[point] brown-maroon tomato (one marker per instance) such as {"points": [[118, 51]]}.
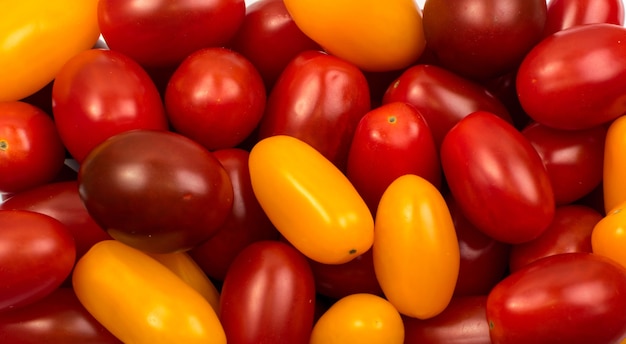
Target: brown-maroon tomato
{"points": [[268, 296], [162, 32], [563, 14], [573, 158], [319, 99], [442, 97], [462, 322], [157, 191], [247, 222], [57, 318], [270, 39], [570, 231], [481, 39]]}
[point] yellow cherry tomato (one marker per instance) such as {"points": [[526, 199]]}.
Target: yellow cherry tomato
{"points": [[37, 37], [416, 251], [608, 237], [372, 34], [309, 200], [614, 169], [139, 300], [359, 318]]}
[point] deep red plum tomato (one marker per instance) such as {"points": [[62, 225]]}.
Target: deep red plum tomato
{"points": [[564, 14]]}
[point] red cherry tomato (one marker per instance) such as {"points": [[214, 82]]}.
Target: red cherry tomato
{"points": [[563, 14], [31, 151]]}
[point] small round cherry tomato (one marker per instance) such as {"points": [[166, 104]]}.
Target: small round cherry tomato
{"points": [[608, 237]]}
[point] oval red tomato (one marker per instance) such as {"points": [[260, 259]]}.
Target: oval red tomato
{"points": [[564, 14]]}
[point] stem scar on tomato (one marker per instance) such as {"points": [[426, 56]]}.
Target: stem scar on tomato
{"points": [[392, 119], [352, 251], [4, 145]]}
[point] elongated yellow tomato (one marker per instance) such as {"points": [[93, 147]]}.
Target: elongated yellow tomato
{"points": [[608, 237], [309, 200], [375, 35], [139, 300], [416, 251], [37, 37], [359, 318], [614, 169], [189, 271]]}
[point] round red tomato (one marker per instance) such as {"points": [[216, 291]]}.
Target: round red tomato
{"points": [[162, 33], [99, 93], [37, 255], [215, 97], [563, 14], [157, 191], [31, 151]]}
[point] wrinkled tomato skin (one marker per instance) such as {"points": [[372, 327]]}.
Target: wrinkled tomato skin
{"points": [[497, 178], [61, 201], [38, 255], [568, 298], [285, 311], [442, 97], [570, 231], [160, 33], [157, 191], [463, 322], [57, 318], [484, 39], [99, 93], [557, 88], [270, 39], [247, 223], [318, 99], [390, 141], [573, 158], [563, 14]]}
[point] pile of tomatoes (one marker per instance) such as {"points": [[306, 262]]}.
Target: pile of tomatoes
{"points": [[313, 171]]}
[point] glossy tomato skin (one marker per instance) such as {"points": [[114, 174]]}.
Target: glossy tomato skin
{"points": [[442, 97], [484, 39], [31, 151], [162, 34], [38, 254], [564, 14], [215, 97], [155, 190], [557, 88], [318, 99], [270, 39], [284, 311], [573, 158], [570, 231], [497, 178], [65, 319], [391, 140], [608, 236], [568, 298], [60, 200], [247, 223], [99, 93]]}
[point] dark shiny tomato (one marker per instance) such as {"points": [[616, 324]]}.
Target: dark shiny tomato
{"points": [[390, 141], [216, 97], [157, 191], [268, 296], [564, 14], [566, 298], [442, 97], [247, 222], [270, 39], [481, 39], [497, 178], [462, 322], [573, 158], [57, 318], [318, 99], [99, 93], [557, 87], [570, 231], [61, 201], [31, 151], [163, 33], [37, 255]]}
